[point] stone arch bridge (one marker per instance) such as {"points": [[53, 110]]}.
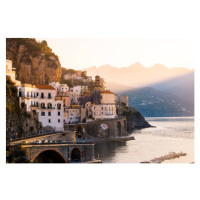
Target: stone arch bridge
{"points": [[102, 128], [60, 153]]}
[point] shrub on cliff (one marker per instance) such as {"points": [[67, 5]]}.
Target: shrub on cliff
{"points": [[17, 155], [17, 119]]}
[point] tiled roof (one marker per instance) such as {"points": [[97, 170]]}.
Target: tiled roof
{"points": [[106, 92], [45, 87]]}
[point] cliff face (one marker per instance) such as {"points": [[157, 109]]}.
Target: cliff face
{"points": [[35, 62], [135, 120], [17, 119]]}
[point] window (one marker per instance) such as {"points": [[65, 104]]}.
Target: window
{"points": [[42, 105], [49, 120], [27, 94], [58, 106], [42, 95], [37, 94], [59, 120], [101, 108], [58, 113], [43, 113], [49, 105], [49, 113], [102, 113], [49, 95]]}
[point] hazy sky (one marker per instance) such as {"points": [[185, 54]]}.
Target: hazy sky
{"points": [[84, 53]]}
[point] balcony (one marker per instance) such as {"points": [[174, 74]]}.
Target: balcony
{"points": [[28, 96], [46, 97], [34, 106], [49, 108]]}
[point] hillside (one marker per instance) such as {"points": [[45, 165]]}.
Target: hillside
{"points": [[137, 75], [35, 62], [117, 88], [155, 103], [182, 86]]}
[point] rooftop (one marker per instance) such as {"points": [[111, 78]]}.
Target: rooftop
{"points": [[45, 87], [106, 92]]}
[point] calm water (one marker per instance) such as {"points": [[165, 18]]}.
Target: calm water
{"points": [[171, 134]]}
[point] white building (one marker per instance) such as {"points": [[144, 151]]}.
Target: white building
{"points": [[73, 97], [41, 98], [70, 76], [61, 89], [72, 115], [80, 89], [28, 94]]}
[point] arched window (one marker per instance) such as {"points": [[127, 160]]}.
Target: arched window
{"points": [[42, 105], [58, 106], [49, 105]]}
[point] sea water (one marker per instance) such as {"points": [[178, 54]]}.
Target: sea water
{"points": [[171, 134]]}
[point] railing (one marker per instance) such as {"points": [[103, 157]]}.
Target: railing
{"points": [[34, 106], [47, 107], [38, 135], [28, 96], [56, 142]]}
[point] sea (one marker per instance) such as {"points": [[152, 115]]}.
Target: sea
{"points": [[169, 134]]}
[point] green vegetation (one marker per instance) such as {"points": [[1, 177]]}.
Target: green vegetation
{"points": [[17, 155]]}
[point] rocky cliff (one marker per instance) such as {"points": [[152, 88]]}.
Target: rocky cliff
{"points": [[135, 121], [134, 118], [34, 61], [17, 119]]}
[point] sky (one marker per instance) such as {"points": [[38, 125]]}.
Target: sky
{"points": [[80, 53]]}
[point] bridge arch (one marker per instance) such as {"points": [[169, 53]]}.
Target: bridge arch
{"points": [[119, 129], [75, 155], [104, 130], [50, 155]]}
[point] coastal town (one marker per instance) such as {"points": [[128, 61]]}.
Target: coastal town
{"points": [[57, 114], [58, 104], [75, 116]]}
